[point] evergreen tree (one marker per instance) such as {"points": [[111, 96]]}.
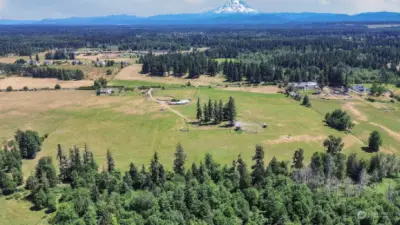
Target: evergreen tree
{"points": [[180, 159], [205, 113], [110, 162], [298, 159], [374, 141], [199, 115], [216, 113], [245, 179], [258, 172], [210, 110]]}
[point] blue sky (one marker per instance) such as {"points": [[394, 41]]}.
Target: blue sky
{"points": [[38, 9]]}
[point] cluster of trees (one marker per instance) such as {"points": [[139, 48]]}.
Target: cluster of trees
{"points": [[339, 120], [42, 72], [48, 72], [59, 54], [11, 175], [195, 64], [331, 189], [216, 112], [29, 143]]}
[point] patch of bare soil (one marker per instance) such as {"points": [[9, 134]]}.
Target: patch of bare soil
{"points": [[393, 134], [262, 89], [300, 138], [350, 107], [21, 82]]}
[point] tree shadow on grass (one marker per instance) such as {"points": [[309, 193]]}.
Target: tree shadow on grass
{"points": [[367, 149]]}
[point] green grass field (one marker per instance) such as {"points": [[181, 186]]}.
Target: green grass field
{"points": [[17, 212]]}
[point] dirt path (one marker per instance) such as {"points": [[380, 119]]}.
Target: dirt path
{"points": [[393, 134], [165, 105], [350, 106]]}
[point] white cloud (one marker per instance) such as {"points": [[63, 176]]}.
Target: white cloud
{"points": [[324, 2]]}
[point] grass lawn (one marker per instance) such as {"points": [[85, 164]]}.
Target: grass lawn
{"points": [[17, 212]]}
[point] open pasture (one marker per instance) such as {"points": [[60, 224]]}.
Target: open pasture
{"points": [[20, 82]]}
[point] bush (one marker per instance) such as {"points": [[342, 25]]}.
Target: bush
{"points": [[109, 72], [398, 84], [339, 120], [26, 88], [371, 99], [57, 87], [306, 101], [9, 89]]}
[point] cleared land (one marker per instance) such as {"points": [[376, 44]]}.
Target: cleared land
{"points": [[20, 82], [133, 125], [13, 58], [132, 72]]}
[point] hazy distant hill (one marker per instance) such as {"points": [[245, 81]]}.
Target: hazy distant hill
{"points": [[233, 12]]}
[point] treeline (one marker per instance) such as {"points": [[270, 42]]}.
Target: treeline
{"points": [[331, 189], [195, 64], [216, 112], [59, 54], [48, 72], [42, 72]]}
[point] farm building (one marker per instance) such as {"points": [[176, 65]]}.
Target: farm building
{"points": [[305, 85], [180, 102]]}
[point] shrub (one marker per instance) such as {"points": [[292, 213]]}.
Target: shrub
{"points": [[109, 72], [339, 120], [371, 99], [57, 87], [26, 88], [306, 101], [9, 89], [398, 84]]}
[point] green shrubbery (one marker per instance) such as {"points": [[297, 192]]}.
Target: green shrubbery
{"points": [[339, 120]]}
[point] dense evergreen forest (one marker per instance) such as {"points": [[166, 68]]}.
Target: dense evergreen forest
{"points": [[332, 189], [331, 55]]}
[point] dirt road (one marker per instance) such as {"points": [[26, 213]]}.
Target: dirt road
{"points": [[165, 105]]}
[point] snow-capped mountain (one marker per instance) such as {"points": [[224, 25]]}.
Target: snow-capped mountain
{"points": [[235, 6]]}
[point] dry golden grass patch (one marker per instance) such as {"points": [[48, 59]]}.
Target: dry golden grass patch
{"points": [[20, 82], [300, 138], [350, 107], [132, 72], [262, 89], [13, 58]]}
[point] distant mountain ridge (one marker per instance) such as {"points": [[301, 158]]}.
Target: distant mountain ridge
{"points": [[235, 6], [232, 13]]}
